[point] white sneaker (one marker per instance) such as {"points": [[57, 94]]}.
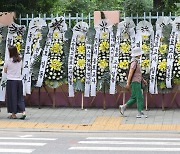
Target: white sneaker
{"points": [[122, 109], [141, 115]]}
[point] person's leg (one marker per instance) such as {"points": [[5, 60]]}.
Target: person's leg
{"points": [[130, 102], [139, 97], [140, 101], [11, 93], [21, 104], [132, 99]]}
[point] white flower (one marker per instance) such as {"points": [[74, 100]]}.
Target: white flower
{"points": [[49, 78], [54, 77], [50, 73], [160, 74]]}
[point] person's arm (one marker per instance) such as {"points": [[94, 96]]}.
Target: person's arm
{"points": [[144, 81], [130, 75], [5, 67]]}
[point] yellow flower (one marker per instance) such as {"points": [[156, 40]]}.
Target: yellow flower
{"points": [[163, 48], [104, 46], [55, 35], [74, 80], [82, 80], [18, 37], [179, 61], [103, 64], [145, 63], [18, 46], [56, 48], [55, 64], [81, 49], [104, 35], [162, 85], [125, 35], [1, 61], [38, 35], [125, 47], [162, 39], [145, 37], [178, 46], [81, 63], [162, 65], [124, 64], [81, 38], [34, 46], [145, 47]]}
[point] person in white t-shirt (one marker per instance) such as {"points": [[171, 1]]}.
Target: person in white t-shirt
{"points": [[14, 87]]}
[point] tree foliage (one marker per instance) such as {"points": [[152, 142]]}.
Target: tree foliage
{"points": [[88, 6], [27, 6]]}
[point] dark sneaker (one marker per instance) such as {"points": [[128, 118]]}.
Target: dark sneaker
{"points": [[141, 115]]}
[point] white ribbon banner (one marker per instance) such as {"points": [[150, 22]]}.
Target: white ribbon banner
{"points": [[57, 24], [170, 57], [112, 49], [44, 58], [71, 64], [154, 62], [13, 30], [88, 70], [94, 64], [115, 63]]}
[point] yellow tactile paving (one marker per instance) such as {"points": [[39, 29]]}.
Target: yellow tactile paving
{"points": [[3, 124], [154, 127], [83, 127], [126, 126], [140, 127], [177, 127], [168, 127], [100, 123]]}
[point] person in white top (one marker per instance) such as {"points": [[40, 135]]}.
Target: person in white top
{"points": [[14, 87]]}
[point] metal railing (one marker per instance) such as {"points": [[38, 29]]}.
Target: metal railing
{"points": [[88, 18]]}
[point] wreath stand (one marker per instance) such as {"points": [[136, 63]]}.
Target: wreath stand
{"points": [[146, 101], [163, 102], [172, 101], [82, 100]]}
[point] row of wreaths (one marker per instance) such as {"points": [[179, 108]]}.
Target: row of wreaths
{"points": [[93, 59]]}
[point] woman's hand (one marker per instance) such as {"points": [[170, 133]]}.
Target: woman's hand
{"points": [[127, 86], [145, 82]]}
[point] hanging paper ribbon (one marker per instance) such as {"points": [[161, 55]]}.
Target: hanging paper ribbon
{"points": [[57, 29], [145, 40], [101, 55], [88, 70], [35, 26], [14, 37], [77, 59], [154, 55], [172, 45], [125, 40]]}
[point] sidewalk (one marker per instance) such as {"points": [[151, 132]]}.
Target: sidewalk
{"points": [[47, 119]]}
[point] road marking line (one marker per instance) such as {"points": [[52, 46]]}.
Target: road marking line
{"points": [[22, 143], [124, 149], [17, 150], [26, 136], [122, 138], [122, 142], [20, 138]]}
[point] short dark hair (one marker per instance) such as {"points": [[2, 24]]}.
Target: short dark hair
{"points": [[13, 53]]}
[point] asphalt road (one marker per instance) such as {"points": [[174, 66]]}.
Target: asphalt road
{"points": [[17, 142]]}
